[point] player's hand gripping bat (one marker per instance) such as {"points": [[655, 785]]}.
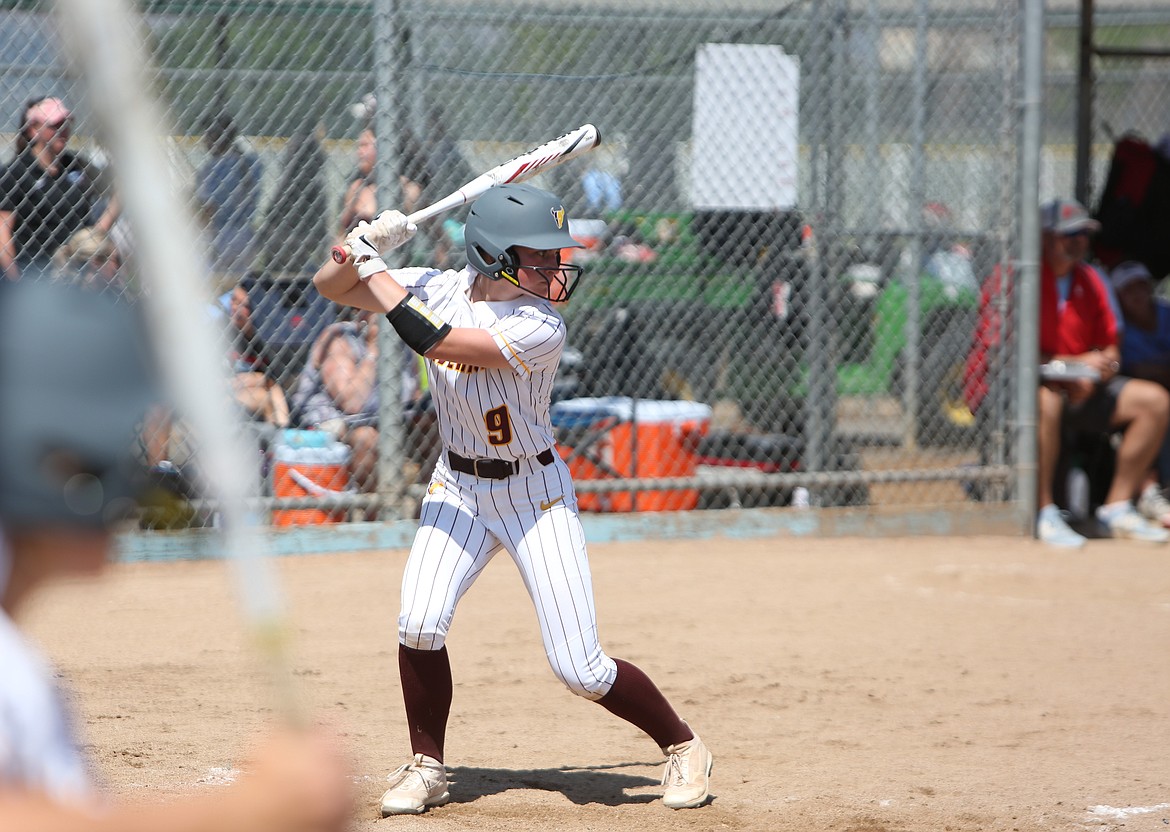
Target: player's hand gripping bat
{"points": [[548, 155]]}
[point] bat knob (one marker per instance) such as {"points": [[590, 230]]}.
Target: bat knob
{"points": [[340, 254]]}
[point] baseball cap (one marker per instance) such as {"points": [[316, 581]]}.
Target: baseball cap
{"points": [[1127, 272], [1066, 216], [48, 111]]}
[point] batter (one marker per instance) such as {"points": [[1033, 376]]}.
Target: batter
{"points": [[492, 339]]}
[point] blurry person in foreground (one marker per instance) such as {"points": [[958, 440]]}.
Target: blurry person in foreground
{"points": [[68, 415]]}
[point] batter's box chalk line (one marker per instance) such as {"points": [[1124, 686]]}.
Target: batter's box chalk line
{"points": [[1100, 815], [218, 776]]}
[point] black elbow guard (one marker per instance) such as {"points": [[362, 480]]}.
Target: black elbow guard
{"points": [[417, 326]]}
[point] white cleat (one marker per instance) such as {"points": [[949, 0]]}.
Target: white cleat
{"points": [[415, 787], [687, 777]]}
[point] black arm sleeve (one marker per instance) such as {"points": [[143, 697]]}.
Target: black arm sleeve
{"points": [[417, 326]]}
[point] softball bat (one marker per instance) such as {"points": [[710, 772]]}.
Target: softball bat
{"points": [[526, 165]]}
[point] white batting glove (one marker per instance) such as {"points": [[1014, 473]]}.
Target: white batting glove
{"points": [[366, 256], [389, 230]]}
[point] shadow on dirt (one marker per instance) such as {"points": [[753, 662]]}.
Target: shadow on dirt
{"points": [[582, 785]]}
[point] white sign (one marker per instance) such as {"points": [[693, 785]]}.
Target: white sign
{"points": [[745, 128]]}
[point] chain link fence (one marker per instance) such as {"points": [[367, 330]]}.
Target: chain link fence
{"points": [[787, 225]]}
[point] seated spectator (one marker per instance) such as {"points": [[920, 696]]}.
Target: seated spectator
{"points": [[360, 200], [90, 258], [1145, 353], [1145, 343], [253, 363], [254, 387], [338, 392], [1077, 325]]}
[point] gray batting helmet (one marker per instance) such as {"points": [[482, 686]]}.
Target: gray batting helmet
{"points": [[75, 381], [507, 216]]}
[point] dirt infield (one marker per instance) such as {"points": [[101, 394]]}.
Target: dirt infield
{"points": [[856, 685]]}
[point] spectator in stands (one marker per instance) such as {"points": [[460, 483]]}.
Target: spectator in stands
{"points": [[338, 392], [1078, 327], [629, 246], [253, 364], [296, 227], [603, 191], [429, 167], [1145, 354], [446, 170], [1145, 343], [360, 201], [227, 187], [90, 258], [255, 388], [47, 192]]}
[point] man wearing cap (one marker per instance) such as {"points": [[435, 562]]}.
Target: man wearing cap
{"points": [[47, 192], [1077, 326]]}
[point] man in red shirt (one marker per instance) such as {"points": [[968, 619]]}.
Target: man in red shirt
{"points": [[1078, 329]]}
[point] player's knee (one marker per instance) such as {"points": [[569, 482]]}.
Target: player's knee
{"points": [[589, 681], [592, 689], [422, 640], [421, 634]]}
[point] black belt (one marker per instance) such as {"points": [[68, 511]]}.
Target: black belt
{"points": [[492, 469]]}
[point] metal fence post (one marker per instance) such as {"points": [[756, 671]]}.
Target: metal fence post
{"points": [[1028, 288], [390, 114]]}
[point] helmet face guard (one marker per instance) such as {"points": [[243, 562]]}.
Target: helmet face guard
{"points": [[559, 281], [508, 216]]}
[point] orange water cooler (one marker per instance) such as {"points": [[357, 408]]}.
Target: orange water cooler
{"points": [[300, 470], [617, 437]]}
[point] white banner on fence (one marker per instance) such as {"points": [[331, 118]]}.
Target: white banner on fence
{"points": [[745, 128]]}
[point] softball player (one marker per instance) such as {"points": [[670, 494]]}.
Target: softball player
{"points": [[492, 339]]}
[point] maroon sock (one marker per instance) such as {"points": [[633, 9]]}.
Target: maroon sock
{"points": [[635, 699], [426, 691]]}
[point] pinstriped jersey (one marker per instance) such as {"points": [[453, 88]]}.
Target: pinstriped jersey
{"points": [[484, 412]]}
